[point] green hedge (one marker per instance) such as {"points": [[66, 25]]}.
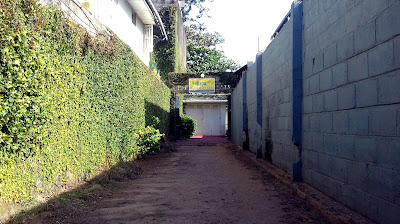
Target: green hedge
{"points": [[166, 51], [188, 126], [69, 102]]}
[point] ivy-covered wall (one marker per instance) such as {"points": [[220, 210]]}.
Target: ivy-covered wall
{"points": [[69, 102], [167, 51]]}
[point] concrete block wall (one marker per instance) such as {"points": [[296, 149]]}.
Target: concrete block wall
{"points": [[277, 99], [254, 129], [237, 114], [275, 133], [351, 84], [351, 103]]}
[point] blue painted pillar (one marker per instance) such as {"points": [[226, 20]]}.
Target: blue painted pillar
{"points": [[245, 125], [297, 17]]}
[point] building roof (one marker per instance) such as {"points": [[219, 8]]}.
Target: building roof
{"points": [[147, 12]]}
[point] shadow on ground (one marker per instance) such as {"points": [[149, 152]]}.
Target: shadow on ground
{"points": [[207, 180], [69, 203], [72, 203]]}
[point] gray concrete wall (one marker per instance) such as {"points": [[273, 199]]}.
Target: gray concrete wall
{"points": [[277, 99], [274, 135], [351, 83], [237, 114], [351, 103], [254, 129]]}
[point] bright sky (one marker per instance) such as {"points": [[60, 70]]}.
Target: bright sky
{"points": [[242, 22]]}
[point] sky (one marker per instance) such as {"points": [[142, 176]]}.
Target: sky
{"points": [[242, 22]]}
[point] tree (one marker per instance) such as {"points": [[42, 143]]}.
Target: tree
{"points": [[190, 4], [202, 53], [203, 56]]}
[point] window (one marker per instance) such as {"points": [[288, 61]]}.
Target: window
{"points": [[134, 18], [148, 38]]}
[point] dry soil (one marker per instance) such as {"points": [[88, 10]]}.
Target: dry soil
{"points": [[204, 181]]}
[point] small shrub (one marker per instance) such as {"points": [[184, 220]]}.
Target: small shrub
{"points": [[154, 121], [148, 139], [188, 126]]}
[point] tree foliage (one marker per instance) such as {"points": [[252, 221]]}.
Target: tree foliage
{"points": [[202, 52], [203, 55], [190, 5]]}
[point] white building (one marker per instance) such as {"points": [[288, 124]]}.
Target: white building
{"points": [[131, 20]]}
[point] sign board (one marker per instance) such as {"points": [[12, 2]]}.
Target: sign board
{"points": [[202, 85]]}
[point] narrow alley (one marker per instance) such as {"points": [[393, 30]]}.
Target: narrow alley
{"points": [[204, 181], [105, 105]]}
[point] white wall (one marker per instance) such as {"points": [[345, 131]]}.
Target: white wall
{"points": [[210, 117], [117, 15], [114, 14]]}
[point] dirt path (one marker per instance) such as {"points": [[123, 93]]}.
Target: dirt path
{"points": [[203, 182]]}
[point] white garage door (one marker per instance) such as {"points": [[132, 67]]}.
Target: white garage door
{"points": [[211, 118]]}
